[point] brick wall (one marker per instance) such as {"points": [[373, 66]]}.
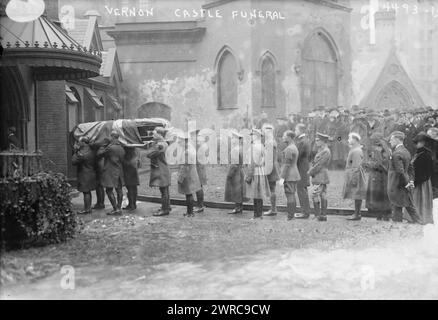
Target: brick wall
{"points": [[52, 124]]}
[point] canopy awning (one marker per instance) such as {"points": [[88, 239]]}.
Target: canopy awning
{"points": [[48, 49], [70, 95], [114, 102], [94, 98]]}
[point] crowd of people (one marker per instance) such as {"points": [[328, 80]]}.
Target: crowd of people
{"points": [[396, 149]]}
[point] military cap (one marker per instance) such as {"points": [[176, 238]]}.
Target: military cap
{"points": [[322, 136], [398, 134]]}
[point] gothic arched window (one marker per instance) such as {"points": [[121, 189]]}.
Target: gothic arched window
{"points": [[268, 82], [227, 81]]}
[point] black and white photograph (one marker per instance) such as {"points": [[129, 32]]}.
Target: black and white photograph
{"points": [[218, 150]]}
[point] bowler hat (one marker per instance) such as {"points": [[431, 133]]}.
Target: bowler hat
{"points": [[421, 136]]}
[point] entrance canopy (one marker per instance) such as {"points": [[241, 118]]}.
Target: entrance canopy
{"points": [[48, 49]]}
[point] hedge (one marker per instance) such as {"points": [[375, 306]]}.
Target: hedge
{"points": [[36, 210]]}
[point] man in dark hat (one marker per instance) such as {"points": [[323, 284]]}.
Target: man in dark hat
{"points": [[320, 177], [401, 179]]}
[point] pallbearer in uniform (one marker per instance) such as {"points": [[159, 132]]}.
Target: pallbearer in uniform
{"points": [[354, 183], [160, 173], [274, 175], [303, 146], [235, 184], [320, 178], [188, 180], [257, 185], [112, 175], [132, 181], [401, 179], [289, 172], [84, 159]]}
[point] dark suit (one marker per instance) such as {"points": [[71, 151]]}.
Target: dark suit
{"points": [[399, 174], [303, 145]]}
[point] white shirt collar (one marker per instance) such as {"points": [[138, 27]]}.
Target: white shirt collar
{"points": [[398, 145]]}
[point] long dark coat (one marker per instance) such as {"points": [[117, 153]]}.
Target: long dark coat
{"points": [[434, 147], [235, 183], [377, 165], [112, 174], [188, 180], [423, 166], [354, 184], [399, 174], [84, 160], [303, 162], [130, 167], [160, 172]]}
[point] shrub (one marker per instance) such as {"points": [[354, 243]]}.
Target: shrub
{"points": [[36, 210]]}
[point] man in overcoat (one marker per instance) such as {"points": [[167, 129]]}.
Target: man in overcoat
{"points": [[257, 185], [401, 179], [84, 160], [354, 183], [303, 163], [188, 180], [320, 178], [235, 183], [112, 175], [160, 172]]}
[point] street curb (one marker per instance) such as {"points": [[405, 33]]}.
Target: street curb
{"points": [[250, 207]]}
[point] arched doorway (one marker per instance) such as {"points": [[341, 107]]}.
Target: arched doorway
{"points": [[154, 110], [393, 95], [13, 109], [319, 77]]}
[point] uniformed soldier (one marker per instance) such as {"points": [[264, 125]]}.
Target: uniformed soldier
{"points": [[112, 175], [303, 146], [289, 173], [320, 179], [160, 172], [84, 159]]}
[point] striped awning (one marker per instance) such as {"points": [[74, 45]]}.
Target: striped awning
{"points": [[48, 49]]}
